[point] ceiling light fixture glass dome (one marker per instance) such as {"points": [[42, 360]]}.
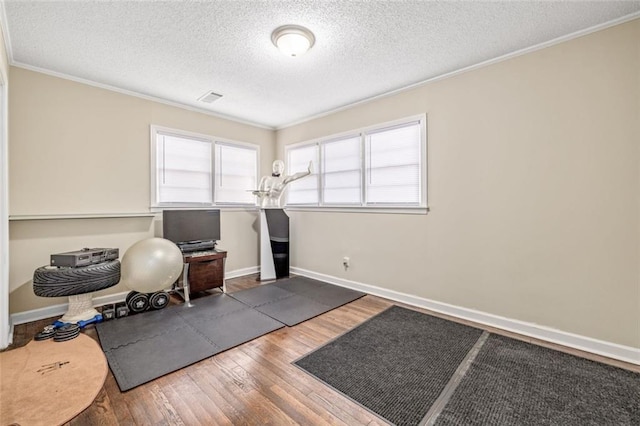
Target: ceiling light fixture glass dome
{"points": [[292, 40]]}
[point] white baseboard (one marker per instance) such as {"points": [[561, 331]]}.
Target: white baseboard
{"points": [[60, 309], [587, 344], [56, 310], [241, 272], [10, 339]]}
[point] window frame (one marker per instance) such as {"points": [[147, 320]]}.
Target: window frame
{"points": [[419, 208], [156, 206]]}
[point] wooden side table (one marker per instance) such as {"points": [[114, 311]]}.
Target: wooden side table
{"points": [[202, 271]]}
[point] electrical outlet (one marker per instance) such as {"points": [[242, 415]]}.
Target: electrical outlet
{"points": [[345, 262]]}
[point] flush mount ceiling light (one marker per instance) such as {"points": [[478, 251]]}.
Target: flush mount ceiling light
{"points": [[292, 40]]}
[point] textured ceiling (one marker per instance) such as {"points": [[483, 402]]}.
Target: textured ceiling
{"points": [[177, 50]]}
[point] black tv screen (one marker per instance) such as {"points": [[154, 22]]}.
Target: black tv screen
{"points": [[184, 226]]}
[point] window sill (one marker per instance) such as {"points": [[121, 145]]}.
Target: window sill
{"points": [[77, 216], [221, 207], [345, 209]]}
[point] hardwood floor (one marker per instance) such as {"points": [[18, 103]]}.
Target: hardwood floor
{"points": [[254, 383]]}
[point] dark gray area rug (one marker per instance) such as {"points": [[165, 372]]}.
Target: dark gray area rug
{"points": [[143, 347], [396, 364], [297, 299], [516, 383]]}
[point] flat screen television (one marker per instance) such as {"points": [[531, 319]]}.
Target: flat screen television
{"points": [[185, 227]]}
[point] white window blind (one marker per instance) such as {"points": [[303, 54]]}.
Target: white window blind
{"points": [[236, 173], [393, 165], [342, 171], [305, 190], [183, 169], [379, 168]]}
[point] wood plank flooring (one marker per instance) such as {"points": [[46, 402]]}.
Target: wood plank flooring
{"points": [[251, 384]]}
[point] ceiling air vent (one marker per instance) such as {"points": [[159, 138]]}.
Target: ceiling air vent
{"points": [[209, 97]]}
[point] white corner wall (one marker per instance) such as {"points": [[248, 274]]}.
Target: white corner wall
{"points": [[5, 331]]}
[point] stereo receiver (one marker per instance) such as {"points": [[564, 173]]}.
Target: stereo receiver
{"points": [[84, 257]]}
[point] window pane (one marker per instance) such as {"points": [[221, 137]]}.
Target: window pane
{"points": [[183, 170], [342, 178], [305, 190], [393, 158], [236, 174]]}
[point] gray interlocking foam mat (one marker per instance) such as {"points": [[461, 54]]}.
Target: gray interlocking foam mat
{"points": [[297, 299], [146, 346]]}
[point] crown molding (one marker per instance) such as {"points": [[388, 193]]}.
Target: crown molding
{"points": [[466, 69], [135, 94], [450, 74]]}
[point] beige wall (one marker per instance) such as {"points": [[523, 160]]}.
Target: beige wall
{"points": [[79, 149], [533, 185]]}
